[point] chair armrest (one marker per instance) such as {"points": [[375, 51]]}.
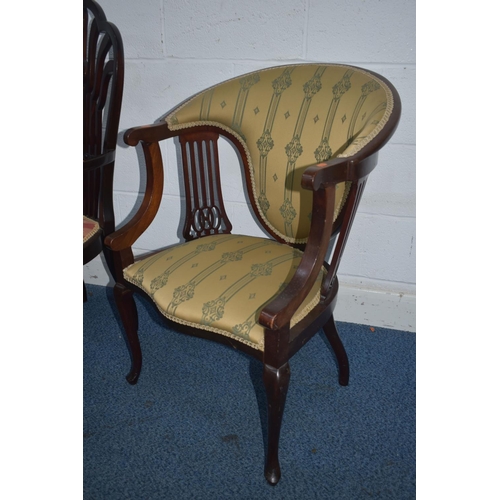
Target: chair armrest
{"points": [[336, 170], [127, 235], [279, 311], [321, 179], [149, 137], [154, 132]]}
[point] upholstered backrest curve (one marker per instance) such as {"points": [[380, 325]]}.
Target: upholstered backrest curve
{"points": [[288, 118]]}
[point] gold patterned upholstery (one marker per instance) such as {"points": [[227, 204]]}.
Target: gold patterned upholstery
{"points": [[288, 118], [192, 283]]}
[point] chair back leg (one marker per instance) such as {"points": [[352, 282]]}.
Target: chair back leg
{"points": [[332, 335]]}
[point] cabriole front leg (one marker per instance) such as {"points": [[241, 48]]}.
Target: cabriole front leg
{"points": [[276, 383], [128, 312]]}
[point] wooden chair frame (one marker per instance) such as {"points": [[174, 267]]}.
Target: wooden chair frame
{"points": [[280, 341], [103, 74]]}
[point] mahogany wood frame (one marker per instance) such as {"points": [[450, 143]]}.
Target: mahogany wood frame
{"points": [[281, 341], [103, 74]]}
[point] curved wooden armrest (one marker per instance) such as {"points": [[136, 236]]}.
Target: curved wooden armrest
{"points": [[321, 179], [331, 172], [126, 236], [95, 162], [149, 137], [279, 311], [154, 132]]}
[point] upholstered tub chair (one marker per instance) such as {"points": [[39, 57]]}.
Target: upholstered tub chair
{"points": [[103, 72], [308, 136]]}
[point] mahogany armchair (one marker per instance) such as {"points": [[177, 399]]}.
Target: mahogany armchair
{"points": [[308, 136], [103, 71]]}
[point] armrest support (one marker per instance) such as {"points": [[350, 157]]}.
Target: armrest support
{"points": [[279, 312], [126, 236], [321, 179]]}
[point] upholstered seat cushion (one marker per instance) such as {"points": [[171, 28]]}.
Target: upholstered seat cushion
{"points": [[221, 283], [90, 227]]}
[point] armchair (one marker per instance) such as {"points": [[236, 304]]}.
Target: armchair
{"points": [[103, 71], [308, 136]]}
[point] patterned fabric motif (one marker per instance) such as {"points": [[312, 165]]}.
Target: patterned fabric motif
{"points": [[90, 227], [221, 283], [288, 118]]}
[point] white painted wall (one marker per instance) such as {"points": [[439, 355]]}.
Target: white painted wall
{"points": [[174, 48]]}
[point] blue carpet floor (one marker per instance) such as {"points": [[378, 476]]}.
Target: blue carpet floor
{"points": [[193, 425]]}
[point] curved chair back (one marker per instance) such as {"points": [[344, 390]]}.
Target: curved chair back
{"points": [[286, 119]]}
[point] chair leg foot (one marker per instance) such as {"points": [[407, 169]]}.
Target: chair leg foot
{"points": [[128, 312], [338, 348], [276, 383], [133, 376], [273, 475]]}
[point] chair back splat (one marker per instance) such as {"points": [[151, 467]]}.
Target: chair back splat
{"points": [[308, 136], [103, 73]]}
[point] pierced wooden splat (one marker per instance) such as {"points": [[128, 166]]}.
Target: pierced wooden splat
{"points": [[97, 75], [98, 70], [205, 212]]}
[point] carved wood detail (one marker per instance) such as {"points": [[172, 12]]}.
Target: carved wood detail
{"points": [[102, 94], [205, 212]]}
